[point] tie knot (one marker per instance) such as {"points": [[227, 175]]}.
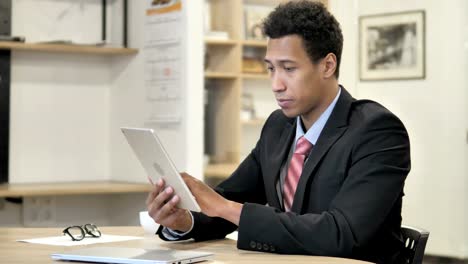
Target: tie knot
{"points": [[303, 146]]}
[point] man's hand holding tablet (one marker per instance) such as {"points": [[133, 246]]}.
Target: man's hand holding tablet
{"points": [[158, 165]]}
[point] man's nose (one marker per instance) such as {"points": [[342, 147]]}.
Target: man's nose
{"points": [[277, 84]]}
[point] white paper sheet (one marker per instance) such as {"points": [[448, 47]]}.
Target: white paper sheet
{"points": [[232, 236], [66, 240]]}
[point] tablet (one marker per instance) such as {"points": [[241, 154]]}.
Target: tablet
{"points": [[157, 163], [132, 255]]}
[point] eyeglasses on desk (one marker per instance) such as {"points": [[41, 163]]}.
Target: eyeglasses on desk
{"points": [[78, 233]]}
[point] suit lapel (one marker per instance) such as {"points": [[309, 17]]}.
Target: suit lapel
{"points": [[334, 128], [278, 156]]}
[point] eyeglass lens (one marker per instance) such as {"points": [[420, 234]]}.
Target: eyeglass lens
{"points": [[92, 230], [75, 232]]}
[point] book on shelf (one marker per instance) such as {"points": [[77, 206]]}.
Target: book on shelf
{"points": [[253, 65], [248, 107]]}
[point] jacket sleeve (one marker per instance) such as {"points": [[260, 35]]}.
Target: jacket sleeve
{"points": [[244, 185], [379, 164]]}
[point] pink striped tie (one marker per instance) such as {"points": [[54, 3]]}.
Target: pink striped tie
{"points": [[296, 164]]}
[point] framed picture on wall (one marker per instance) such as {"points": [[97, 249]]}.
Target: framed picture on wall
{"points": [[392, 46]]}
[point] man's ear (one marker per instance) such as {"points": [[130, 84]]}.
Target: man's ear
{"points": [[329, 64]]}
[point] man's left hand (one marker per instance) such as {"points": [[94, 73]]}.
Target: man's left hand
{"points": [[211, 203]]}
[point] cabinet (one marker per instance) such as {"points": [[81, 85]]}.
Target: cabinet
{"points": [[230, 134]]}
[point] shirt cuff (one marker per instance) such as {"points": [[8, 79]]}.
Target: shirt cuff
{"points": [[173, 234]]}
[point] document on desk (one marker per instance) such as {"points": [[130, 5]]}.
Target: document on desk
{"points": [[66, 241], [233, 235]]}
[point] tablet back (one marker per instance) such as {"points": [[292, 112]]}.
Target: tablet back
{"points": [[157, 163]]}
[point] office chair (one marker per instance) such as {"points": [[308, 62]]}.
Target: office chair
{"points": [[415, 243]]}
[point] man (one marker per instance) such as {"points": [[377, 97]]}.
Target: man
{"points": [[327, 174]]}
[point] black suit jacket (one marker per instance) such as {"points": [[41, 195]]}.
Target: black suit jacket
{"points": [[348, 200]]}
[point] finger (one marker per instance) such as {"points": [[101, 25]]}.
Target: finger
{"points": [[191, 183], [160, 182], [160, 200], [154, 191], [183, 175], [169, 209], [187, 178]]}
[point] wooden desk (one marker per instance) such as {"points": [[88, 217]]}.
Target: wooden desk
{"points": [[225, 250]]}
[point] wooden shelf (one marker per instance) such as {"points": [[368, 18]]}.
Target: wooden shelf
{"points": [[221, 75], [260, 76], [254, 43], [66, 48], [254, 122], [216, 42], [220, 170], [226, 81], [71, 188]]}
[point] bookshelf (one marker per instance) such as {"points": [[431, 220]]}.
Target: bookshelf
{"points": [[225, 83], [228, 137], [223, 88]]}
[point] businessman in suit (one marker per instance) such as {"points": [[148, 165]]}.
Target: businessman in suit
{"points": [[326, 176]]}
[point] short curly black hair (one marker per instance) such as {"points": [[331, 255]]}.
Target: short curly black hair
{"points": [[320, 31]]}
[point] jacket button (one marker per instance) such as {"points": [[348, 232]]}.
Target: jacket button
{"points": [[259, 246], [253, 244], [266, 247]]}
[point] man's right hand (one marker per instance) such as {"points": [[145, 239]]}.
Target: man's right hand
{"points": [[163, 209]]}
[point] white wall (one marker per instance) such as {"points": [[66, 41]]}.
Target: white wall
{"points": [[129, 106], [59, 102], [66, 109], [433, 110], [49, 20], [193, 106], [59, 118]]}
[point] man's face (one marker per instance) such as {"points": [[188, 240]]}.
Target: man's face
{"points": [[296, 82]]}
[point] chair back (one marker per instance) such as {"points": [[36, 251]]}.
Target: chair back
{"points": [[415, 243]]}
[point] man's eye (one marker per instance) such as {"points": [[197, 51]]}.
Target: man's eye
{"points": [[289, 69], [270, 68]]}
